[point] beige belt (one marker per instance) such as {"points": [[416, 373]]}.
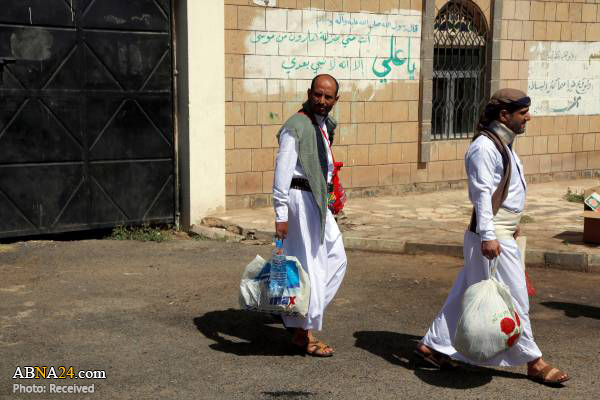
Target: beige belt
{"points": [[505, 223]]}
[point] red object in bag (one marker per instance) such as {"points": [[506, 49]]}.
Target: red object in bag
{"points": [[530, 289]]}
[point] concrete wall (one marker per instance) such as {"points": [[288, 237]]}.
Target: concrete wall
{"points": [[272, 52], [550, 49], [201, 78]]}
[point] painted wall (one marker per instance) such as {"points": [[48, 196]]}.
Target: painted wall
{"points": [[202, 112], [365, 48], [272, 53], [564, 78], [379, 51], [547, 49]]}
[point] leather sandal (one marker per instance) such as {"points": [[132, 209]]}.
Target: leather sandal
{"points": [[317, 348], [435, 359], [542, 376]]}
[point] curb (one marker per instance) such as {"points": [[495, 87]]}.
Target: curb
{"points": [[216, 234], [570, 261]]}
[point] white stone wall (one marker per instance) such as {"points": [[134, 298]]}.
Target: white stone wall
{"points": [[564, 78], [299, 44], [206, 124]]}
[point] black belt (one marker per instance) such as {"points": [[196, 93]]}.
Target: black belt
{"points": [[302, 184]]}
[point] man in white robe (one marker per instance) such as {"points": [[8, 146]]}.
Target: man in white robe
{"points": [[505, 116], [310, 230]]}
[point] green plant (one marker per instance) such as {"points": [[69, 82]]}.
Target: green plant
{"points": [[574, 197], [199, 237], [144, 233]]}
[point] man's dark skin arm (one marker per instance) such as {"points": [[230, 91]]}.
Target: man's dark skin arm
{"points": [[491, 248]]}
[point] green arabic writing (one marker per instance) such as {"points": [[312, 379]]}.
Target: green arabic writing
{"points": [[397, 58], [326, 37], [316, 65], [574, 104], [342, 19]]}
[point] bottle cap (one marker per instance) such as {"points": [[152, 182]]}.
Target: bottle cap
{"points": [[278, 243]]}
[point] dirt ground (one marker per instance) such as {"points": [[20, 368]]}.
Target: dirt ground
{"points": [[162, 321]]}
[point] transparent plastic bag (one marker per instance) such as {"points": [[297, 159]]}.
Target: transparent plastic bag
{"points": [[254, 289]]}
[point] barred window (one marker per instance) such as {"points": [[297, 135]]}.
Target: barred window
{"points": [[460, 69]]}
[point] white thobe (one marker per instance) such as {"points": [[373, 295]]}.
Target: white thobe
{"points": [[484, 170], [324, 262]]}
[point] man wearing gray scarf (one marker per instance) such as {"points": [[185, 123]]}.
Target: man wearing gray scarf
{"points": [[497, 190]]}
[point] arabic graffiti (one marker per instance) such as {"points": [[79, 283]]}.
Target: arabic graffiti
{"points": [[564, 78], [324, 64], [574, 104], [561, 55], [397, 65], [326, 37], [579, 86], [299, 44], [557, 86], [394, 59], [372, 23]]}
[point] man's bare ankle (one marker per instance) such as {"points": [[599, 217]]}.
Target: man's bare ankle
{"points": [[423, 348], [536, 365]]}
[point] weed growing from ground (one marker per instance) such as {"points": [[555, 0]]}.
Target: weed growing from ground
{"points": [[144, 233], [574, 197]]}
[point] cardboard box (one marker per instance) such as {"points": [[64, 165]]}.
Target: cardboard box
{"points": [[593, 201], [591, 220], [588, 192], [591, 227]]}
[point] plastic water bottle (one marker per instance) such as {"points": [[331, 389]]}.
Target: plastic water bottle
{"points": [[278, 277]]}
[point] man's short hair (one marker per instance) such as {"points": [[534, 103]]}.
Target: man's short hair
{"points": [[337, 85]]}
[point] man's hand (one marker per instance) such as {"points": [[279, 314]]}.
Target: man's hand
{"points": [[490, 249], [281, 229], [517, 232]]}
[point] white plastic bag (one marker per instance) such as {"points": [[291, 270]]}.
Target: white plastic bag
{"points": [[489, 323], [254, 289]]}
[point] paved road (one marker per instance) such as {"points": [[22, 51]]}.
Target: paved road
{"points": [[161, 320]]}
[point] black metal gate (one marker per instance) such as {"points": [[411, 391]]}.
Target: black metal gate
{"points": [[86, 130]]}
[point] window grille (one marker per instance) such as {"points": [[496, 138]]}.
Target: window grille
{"points": [[459, 69]]}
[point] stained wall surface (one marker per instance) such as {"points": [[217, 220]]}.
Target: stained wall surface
{"points": [[374, 49], [201, 88], [550, 49]]}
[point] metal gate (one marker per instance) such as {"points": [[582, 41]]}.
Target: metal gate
{"points": [[86, 130]]}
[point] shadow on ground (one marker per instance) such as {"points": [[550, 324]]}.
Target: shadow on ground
{"points": [[91, 234], [574, 237], [397, 348], [288, 394], [573, 310], [245, 333]]}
